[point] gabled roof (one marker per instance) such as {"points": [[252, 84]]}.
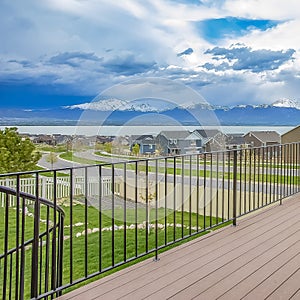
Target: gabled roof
{"points": [[193, 136], [208, 133], [142, 138], [145, 137], [290, 131], [235, 139], [179, 135], [265, 136]]}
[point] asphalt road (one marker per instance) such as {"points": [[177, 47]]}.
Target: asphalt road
{"points": [[93, 171], [267, 170]]}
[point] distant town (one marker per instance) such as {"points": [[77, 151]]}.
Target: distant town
{"points": [[168, 143]]}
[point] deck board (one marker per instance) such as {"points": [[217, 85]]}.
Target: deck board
{"points": [[259, 258]]}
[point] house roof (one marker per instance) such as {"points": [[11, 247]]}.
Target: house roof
{"points": [[180, 135], [208, 133], [193, 136], [265, 136], [45, 138], [235, 139], [142, 138], [290, 131]]}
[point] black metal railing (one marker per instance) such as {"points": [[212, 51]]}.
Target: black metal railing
{"points": [[30, 263], [99, 217]]}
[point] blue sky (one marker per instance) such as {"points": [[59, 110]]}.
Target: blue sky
{"points": [[57, 53]]}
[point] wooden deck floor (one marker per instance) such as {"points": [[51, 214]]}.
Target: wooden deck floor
{"points": [[258, 259]]}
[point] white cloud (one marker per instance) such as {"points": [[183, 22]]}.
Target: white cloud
{"points": [[263, 9], [283, 36], [143, 38]]}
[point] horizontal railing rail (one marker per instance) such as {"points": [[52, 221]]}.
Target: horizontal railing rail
{"points": [[136, 208]]}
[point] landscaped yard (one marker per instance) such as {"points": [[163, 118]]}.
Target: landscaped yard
{"points": [[102, 247]]}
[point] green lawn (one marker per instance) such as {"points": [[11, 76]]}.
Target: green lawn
{"points": [[261, 177], [97, 246]]}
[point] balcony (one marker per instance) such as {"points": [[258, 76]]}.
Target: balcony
{"points": [[258, 259], [75, 225]]}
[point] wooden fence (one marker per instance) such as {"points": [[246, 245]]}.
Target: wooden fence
{"points": [[46, 187]]}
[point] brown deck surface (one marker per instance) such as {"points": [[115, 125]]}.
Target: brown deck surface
{"points": [[258, 259]]}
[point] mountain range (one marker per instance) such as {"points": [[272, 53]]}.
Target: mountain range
{"points": [[284, 112]]}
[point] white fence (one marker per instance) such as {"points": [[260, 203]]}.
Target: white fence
{"points": [[47, 187]]}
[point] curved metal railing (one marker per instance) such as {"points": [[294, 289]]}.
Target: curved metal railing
{"points": [[33, 247]]}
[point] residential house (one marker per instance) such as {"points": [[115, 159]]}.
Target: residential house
{"points": [[44, 139], [147, 143], [211, 139], [178, 142], [235, 141], [121, 141], [262, 138], [101, 139], [80, 141], [292, 136], [61, 138], [291, 152]]}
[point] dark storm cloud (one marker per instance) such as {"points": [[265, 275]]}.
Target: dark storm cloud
{"points": [[73, 59], [128, 65], [245, 58], [188, 51]]}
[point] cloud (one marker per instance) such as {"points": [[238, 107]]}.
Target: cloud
{"points": [[84, 47], [245, 58], [261, 9], [220, 67], [128, 65], [73, 59], [23, 63], [188, 51], [153, 88], [189, 2]]}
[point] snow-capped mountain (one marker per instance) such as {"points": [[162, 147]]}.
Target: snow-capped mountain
{"points": [[142, 105], [288, 103], [118, 112], [113, 104], [195, 105], [103, 105], [154, 105]]}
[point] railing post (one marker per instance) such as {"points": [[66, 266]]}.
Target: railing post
{"points": [[234, 186], [156, 211], [35, 243], [60, 253]]}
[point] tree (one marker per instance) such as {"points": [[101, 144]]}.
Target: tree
{"points": [[69, 145], [150, 198], [16, 153], [159, 150], [108, 147], [51, 158], [135, 149]]}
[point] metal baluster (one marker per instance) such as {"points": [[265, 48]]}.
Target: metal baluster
{"points": [[17, 236], [100, 217], [113, 215], [125, 212], [35, 244]]}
